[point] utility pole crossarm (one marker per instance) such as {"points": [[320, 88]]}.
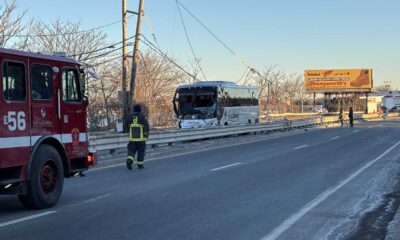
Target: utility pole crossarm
{"points": [[132, 12]]}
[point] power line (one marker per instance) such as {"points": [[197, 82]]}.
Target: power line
{"points": [[206, 28], [237, 56], [249, 74], [188, 39], [167, 58], [245, 71], [161, 53], [102, 54], [100, 49], [68, 33], [108, 60], [151, 29]]}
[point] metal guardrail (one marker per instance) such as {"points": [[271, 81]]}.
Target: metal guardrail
{"points": [[170, 136], [111, 141]]}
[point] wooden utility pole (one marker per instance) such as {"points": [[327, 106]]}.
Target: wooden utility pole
{"points": [[124, 63], [135, 55]]}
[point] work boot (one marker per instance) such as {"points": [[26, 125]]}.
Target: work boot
{"points": [[140, 166], [129, 163]]}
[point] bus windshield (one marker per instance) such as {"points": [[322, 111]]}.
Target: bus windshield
{"points": [[196, 103]]}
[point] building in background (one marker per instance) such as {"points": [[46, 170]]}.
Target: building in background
{"points": [[391, 100]]}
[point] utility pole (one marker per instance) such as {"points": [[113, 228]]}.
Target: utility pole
{"points": [[135, 54], [124, 63]]}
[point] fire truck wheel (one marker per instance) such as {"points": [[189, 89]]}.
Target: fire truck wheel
{"points": [[47, 179]]}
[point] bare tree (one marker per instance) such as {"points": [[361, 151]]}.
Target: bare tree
{"points": [[156, 84], [293, 91], [194, 69], [84, 45], [11, 24], [269, 87], [104, 93]]}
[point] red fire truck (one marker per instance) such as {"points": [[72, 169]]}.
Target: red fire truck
{"points": [[43, 135]]}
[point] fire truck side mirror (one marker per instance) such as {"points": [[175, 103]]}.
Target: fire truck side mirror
{"points": [[85, 100], [82, 78]]}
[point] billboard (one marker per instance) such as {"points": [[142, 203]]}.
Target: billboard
{"points": [[338, 80]]}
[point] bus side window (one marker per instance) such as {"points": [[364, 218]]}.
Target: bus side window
{"points": [[14, 82]]}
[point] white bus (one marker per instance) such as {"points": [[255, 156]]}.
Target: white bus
{"points": [[212, 103]]}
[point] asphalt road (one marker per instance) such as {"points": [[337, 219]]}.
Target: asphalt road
{"points": [[319, 184]]}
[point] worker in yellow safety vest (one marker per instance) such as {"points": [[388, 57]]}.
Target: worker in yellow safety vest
{"points": [[138, 133]]}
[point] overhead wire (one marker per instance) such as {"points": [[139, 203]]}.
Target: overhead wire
{"points": [[102, 54], [100, 49], [173, 29], [69, 33], [149, 44], [109, 60], [249, 74], [196, 59], [206, 28], [245, 71], [236, 55], [151, 29]]}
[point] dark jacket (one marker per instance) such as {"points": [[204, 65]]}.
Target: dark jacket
{"points": [[351, 113], [141, 120]]}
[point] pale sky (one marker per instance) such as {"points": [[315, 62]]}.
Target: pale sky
{"points": [[293, 34]]}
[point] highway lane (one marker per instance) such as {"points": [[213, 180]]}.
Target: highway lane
{"points": [[244, 191]]}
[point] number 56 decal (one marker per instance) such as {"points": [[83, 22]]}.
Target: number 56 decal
{"points": [[15, 121]]}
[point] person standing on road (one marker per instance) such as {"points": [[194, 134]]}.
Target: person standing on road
{"points": [[341, 117], [351, 116], [138, 134]]}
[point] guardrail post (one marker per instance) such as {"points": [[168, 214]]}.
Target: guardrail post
{"points": [[288, 125]]}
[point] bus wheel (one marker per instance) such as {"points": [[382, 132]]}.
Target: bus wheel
{"points": [[225, 124], [46, 179]]}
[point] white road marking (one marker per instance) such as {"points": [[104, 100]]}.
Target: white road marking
{"points": [[195, 151], [88, 201], [288, 223], [370, 126], [335, 138], [299, 147], [26, 218], [356, 131], [226, 166]]}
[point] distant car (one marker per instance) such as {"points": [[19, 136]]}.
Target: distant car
{"points": [[320, 110]]}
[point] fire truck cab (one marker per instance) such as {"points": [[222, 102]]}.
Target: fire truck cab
{"points": [[43, 135]]}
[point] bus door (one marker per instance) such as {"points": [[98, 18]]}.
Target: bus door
{"points": [[44, 100], [14, 112], [73, 114]]}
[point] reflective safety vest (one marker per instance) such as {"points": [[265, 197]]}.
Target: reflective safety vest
{"points": [[136, 131]]}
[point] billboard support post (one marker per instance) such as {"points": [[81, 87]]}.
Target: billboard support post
{"points": [[314, 100]]}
